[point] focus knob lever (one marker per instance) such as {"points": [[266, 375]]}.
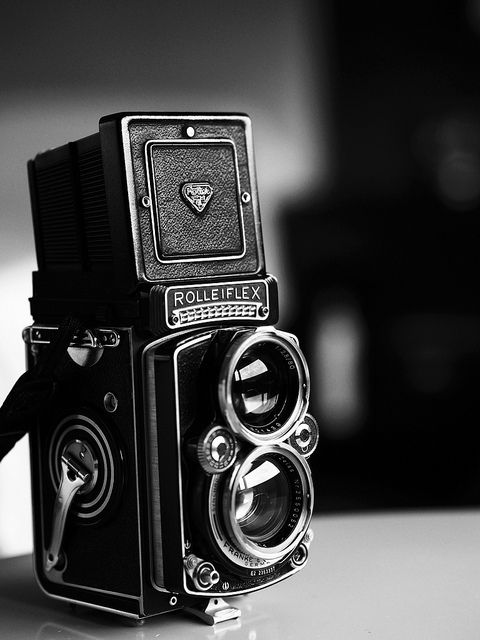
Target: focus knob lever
{"points": [[74, 477]]}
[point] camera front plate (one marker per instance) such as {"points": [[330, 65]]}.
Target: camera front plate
{"points": [[197, 518]]}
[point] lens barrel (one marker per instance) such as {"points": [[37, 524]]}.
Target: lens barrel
{"points": [[261, 510], [263, 386]]}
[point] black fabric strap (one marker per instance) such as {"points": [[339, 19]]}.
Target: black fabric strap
{"points": [[32, 393]]}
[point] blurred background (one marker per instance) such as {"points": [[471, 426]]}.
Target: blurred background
{"points": [[367, 134]]}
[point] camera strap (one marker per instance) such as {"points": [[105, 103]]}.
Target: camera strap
{"points": [[32, 393]]}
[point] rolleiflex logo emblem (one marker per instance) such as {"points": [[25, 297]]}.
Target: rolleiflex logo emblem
{"points": [[216, 302], [197, 195]]}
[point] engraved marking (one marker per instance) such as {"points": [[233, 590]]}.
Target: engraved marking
{"points": [[178, 298], [196, 304], [197, 195], [205, 295]]}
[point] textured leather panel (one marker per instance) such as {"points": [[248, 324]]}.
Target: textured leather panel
{"points": [[143, 131], [182, 230]]}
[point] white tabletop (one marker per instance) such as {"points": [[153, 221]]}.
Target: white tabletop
{"points": [[403, 576]]}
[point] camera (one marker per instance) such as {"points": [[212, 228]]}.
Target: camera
{"points": [[170, 469]]}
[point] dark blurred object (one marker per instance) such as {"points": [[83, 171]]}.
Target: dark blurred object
{"points": [[390, 320], [394, 67], [387, 265]]}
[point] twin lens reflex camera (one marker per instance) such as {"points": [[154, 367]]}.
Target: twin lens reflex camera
{"points": [[170, 471]]}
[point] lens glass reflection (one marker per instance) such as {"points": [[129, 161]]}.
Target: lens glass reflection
{"points": [[262, 384], [262, 500]]}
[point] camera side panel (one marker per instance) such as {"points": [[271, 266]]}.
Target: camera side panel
{"points": [[92, 418]]}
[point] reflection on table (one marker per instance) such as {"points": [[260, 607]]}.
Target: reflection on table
{"points": [[398, 576]]}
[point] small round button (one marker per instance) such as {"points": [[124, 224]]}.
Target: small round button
{"points": [[305, 437], [207, 575], [299, 556], [216, 449]]}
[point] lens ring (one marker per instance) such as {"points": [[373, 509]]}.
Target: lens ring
{"points": [[274, 367], [276, 526]]}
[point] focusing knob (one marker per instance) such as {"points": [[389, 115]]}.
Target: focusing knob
{"points": [[305, 437], [203, 574], [216, 449]]}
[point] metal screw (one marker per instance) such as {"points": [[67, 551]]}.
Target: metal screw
{"points": [[191, 562], [299, 556], [146, 202], [264, 311], [308, 537], [246, 197], [190, 131], [110, 402]]}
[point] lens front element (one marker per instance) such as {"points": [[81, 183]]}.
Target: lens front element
{"points": [[263, 387], [261, 511], [262, 500]]}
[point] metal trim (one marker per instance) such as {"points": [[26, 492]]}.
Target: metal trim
{"points": [[180, 348], [233, 536], [134, 417], [154, 215], [150, 417], [233, 355], [84, 603], [261, 281], [88, 604], [29, 337]]}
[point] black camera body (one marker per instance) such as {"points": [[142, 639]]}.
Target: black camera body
{"points": [[169, 470]]}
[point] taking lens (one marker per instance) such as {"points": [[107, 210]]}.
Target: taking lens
{"points": [[262, 501], [260, 510], [263, 386]]}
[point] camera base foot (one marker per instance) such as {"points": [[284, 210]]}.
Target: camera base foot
{"points": [[214, 610]]}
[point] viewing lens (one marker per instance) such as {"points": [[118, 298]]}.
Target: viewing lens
{"points": [[264, 385], [263, 500]]}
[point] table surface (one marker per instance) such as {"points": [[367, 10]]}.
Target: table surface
{"points": [[404, 575]]}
